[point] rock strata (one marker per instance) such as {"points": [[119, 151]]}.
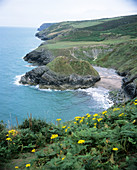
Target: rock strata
{"points": [[129, 86], [46, 78], [40, 56]]}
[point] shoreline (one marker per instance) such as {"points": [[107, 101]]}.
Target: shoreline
{"points": [[109, 78]]}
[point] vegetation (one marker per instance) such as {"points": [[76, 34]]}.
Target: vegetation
{"points": [[66, 66], [105, 140]]}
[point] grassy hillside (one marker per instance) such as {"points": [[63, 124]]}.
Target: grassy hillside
{"points": [[106, 42], [94, 30], [66, 66], [105, 140]]}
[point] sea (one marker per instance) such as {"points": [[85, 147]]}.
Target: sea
{"points": [[17, 101]]}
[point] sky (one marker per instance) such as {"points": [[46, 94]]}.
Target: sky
{"points": [[32, 13]]}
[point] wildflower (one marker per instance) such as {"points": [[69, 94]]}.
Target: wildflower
{"points": [[63, 127], [93, 118], [121, 114], [115, 149], [54, 136], [136, 100], [95, 127], [7, 135], [66, 130], [63, 158], [81, 141], [99, 119], [16, 167], [104, 112], [135, 103], [95, 115], [9, 139], [116, 109], [78, 117], [82, 117], [95, 124], [58, 120], [81, 121], [87, 123], [88, 115], [134, 121], [27, 165], [75, 122], [33, 150]]}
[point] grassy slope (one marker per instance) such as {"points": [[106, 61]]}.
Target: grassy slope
{"points": [[115, 129], [80, 38], [66, 66]]}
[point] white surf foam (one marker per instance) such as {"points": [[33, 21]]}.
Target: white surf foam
{"points": [[17, 79], [100, 95]]}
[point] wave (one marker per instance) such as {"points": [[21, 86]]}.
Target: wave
{"points": [[99, 94], [17, 79], [30, 66]]}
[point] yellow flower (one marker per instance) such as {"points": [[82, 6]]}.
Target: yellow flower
{"points": [[75, 122], [54, 136], [87, 123], [93, 118], [63, 127], [81, 121], [81, 141], [66, 130], [134, 121], [7, 135], [115, 109], [95, 115], [68, 127], [121, 114], [95, 124], [99, 119], [115, 149], [95, 127], [16, 167], [33, 150], [82, 117], [136, 100], [104, 112], [58, 120], [27, 165], [88, 115], [78, 117], [63, 158], [9, 139], [135, 103]]}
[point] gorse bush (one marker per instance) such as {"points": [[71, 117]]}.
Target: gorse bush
{"points": [[105, 140]]}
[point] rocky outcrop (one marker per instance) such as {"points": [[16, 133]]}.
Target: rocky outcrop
{"points": [[44, 26], [40, 56], [129, 86], [46, 78]]}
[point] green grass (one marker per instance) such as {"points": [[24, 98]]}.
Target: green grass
{"points": [[106, 140], [123, 58], [65, 66]]}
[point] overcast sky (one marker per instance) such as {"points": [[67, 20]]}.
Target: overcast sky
{"points": [[32, 13]]}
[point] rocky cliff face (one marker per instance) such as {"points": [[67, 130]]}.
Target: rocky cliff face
{"points": [[61, 73], [46, 78], [40, 56], [129, 85]]}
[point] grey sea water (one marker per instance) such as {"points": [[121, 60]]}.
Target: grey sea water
{"points": [[17, 100]]}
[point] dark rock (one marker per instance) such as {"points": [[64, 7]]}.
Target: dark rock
{"points": [[44, 26], [39, 57], [46, 78], [129, 86]]}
